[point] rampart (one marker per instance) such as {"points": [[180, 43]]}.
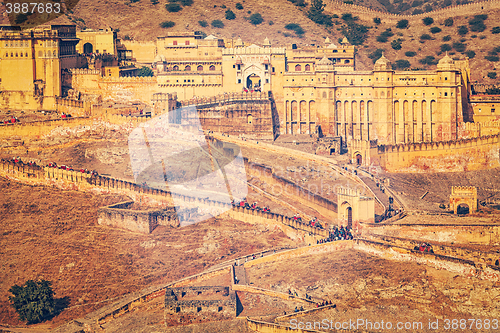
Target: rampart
{"points": [[463, 267], [489, 258], [481, 234], [264, 327], [145, 221], [446, 156], [365, 13], [289, 188], [35, 130], [73, 107]]}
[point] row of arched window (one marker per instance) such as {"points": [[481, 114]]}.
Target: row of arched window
{"points": [[298, 68], [16, 55], [199, 68]]}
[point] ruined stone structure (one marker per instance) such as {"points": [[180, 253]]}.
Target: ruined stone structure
{"points": [[463, 199], [205, 303], [353, 208], [141, 220]]}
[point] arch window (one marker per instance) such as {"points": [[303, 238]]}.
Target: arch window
{"points": [[186, 42], [6, 54], [176, 68], [175, 42], [307, 68], [188, 68], [212, 67], [199, 68], [298, 68]]}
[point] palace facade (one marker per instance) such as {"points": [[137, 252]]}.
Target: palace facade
{"points": [[317, 88]]}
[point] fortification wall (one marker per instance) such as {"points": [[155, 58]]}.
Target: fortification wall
{"points": [[463, 267], [114, 88], [481, 234], [445, 250], [35, 130], [263, 327], [450, 156], [288, 188], [303, 251], [74, 107], [364, 13]]}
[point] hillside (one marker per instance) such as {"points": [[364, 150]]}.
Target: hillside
{"points": [[141, 21], [408, 7]]}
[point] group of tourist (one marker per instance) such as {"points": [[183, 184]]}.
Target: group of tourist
{"points": [[69, 168], [12, 120], [337, 234], [253, 206], [324, 303], [65, 115]]}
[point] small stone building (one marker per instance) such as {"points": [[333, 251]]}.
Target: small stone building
{"points": [[353, 207], [123, 215], [463, 199]]}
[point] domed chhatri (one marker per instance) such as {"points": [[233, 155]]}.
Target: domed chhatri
{"points": [[446, 62], [324, 61], [267, 42], [382, 64]]}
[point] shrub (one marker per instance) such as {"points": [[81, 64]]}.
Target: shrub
{"points": [[230, 15], [145, 71], [167, 24], [217, 24], [473, 36], [417, 11], [417, 3], [256, 19], [491, 58], [428, 8], [477, 23], [492, 75], [445, 47], [377, 20], [462, 30], [271, 22], [495, 30], [315, 13], [482, 37], [459, 47], [348, 17], [402, 24], [383, 37], [376, 54], [299, 3], [435, 30], [34, 301], [203, 23], [429, 60], [410, 53], [402, 64], [446, 38], [188, 3], [425, 37], [295, 27], [354, 32], [127, 37], [223, 7], [239, 6], [448, 22], [428, 20], [396, 44], [173, 7], [154, 2]]}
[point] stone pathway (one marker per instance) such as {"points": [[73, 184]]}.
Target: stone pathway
{"points": [[241, 275]]}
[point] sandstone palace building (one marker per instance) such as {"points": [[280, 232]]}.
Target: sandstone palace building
{"points": [[313, 89]]}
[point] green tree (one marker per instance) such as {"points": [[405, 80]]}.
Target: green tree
{"points": [[295, 27], [477, 23], [217, 24], [315, 13], [495, 30], [354, 32], [401, 64], [459, 47], [203, 23], [425, 37], [167, 24], [410, 53], [492, 75], [173, 7], [448, 22], [428, 20], [230, 15], [491, 58], [428, 60], [377, 20], [446, 38], [34, 302], [375, 55], [435, 30], [256, 19], [463, 30], [445, 47], [470, 54], [396, 44], [145, 71], [402, 24], [239, 6]]}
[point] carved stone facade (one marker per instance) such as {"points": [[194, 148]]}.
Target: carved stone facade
{"points": [[353, 207], [463, 199]]}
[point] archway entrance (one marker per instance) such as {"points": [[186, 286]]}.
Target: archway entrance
{"points": [[88, 48], [349, 217], [253, 81], [359, 159], [463, 209]]}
